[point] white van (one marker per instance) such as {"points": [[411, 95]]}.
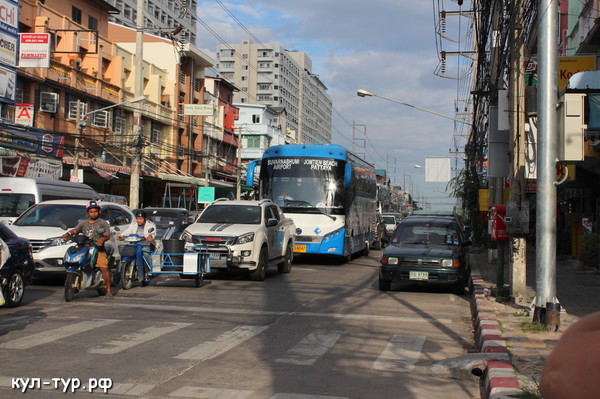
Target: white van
{"points": [[17, 194]]}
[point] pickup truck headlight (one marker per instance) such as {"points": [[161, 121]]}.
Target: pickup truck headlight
{"points": [[450, 263], [245, 238], [390, 260], [186, 236]]}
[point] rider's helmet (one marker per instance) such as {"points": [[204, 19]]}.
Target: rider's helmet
{"points": [[141, 213], [92, 205]]}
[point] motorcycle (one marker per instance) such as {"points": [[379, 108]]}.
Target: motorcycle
{"points": [[82, 274], [132, 261]]}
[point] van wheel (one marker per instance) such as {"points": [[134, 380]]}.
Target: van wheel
{"points": [[261, 269]]}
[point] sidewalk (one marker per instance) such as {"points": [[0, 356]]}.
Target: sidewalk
{"points": [[499, 326]]}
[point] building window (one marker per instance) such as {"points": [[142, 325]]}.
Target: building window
{"points": [[255, 118], [245, 56], [244, 78], [76, 14], [252, 141], [245, 67], [92, 23]]}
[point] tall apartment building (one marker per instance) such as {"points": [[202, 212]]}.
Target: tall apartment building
{"points": [[268, 74], [160, 15]]}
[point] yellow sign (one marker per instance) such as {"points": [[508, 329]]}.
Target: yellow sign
{"points": [[569, 66], [299, 248]]}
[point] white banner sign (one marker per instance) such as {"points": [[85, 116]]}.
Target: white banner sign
{"points": [[24, 114], [198, 109], [437, 170], [8, 49], [9, 16], [8, 78], [34, 50]]}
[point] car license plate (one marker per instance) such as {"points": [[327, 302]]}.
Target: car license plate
{"points": [[215, 256], [418, 275], [299, 248]]}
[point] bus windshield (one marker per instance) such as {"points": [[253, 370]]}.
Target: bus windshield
{"points": [[304, 185]]}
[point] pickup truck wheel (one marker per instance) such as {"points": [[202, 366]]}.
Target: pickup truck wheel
{"points": [[261, 270], [286, 265], [384, 285]]}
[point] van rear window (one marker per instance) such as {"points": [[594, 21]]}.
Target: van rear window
{"points": [[14, 204]]}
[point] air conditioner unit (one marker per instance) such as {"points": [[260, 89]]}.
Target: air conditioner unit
{"points": [[100, 119], [49, 102], [73, 109]]}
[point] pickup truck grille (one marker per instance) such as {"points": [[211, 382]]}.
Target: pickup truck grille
{"points": [[38, 245], [213, 241], [419, 262]]}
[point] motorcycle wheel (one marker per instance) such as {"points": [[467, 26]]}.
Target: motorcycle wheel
{"points": [[71, 284], [128, 275], [102, 289]]}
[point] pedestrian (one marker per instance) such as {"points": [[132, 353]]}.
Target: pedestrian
{"points": [[142, 227], [98, 230], [571, 370]]}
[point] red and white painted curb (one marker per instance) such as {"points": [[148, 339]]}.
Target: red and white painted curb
{"points": [[500, 378]]}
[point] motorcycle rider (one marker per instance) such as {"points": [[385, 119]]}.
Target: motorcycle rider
{"points": [[98, 230], [143, 228]]}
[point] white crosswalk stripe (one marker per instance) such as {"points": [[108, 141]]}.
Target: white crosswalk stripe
{"points": [[313, 346], [48, 336], [221, 344], [210, 393], [130, 340], [304, 396], [401, 353]]}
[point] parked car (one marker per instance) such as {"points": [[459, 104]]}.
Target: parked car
{"points": [[244, 235], [43, 225], [426, 249], [17, 271], [170, 222], [378, 233]]}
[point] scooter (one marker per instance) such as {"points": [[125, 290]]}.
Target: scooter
{"points": [[79, 261], [132, 262]]}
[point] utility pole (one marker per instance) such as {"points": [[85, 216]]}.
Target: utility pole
{"points": [[239, 166], [353, 135], [134, 184], [79, 131], [516, 78], [547, 309]]}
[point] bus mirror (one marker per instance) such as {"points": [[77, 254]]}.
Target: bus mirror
{"points": [[250, 173], [347, 175]]}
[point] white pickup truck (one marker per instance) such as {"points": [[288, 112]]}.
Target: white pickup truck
{"points": [[244, 235]]}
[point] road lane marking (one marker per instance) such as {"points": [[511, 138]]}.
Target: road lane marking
{"points": [[303, 396], [210, 393], [129, 340], [250, 312], [224, 342], [130, 389], [311, 347], [48, 336], [401, 353]]}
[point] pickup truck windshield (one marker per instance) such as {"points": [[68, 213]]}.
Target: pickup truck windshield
{"points": [[231, 214]]}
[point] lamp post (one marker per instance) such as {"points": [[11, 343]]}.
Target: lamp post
{"points": [[365, 93], [81, 125]]}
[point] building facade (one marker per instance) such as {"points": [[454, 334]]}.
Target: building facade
{"points": [[161, 17], [269, 74], [261, 126]]}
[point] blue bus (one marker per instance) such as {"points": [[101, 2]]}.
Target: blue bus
{"points": [[329, 192]]}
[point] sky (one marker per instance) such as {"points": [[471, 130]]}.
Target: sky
{"points": [[388, 47]]}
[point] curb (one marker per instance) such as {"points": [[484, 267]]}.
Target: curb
{"points": [[500, 378]]}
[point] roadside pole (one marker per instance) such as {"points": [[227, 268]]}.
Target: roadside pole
{"points": [[517, 245], [547, 309]]}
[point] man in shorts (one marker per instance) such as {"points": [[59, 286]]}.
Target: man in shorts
{"points": [[96, 229]]}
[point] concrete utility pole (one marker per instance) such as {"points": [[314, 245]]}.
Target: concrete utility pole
{"points": [[78, 132], [134, 184], [238, 194], [516, 81], [547, 309]]}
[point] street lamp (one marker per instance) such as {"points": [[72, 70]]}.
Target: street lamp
{"points": [[364, 93], [81, 125]]}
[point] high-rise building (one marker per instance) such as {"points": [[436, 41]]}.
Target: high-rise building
{"points": [[160, 17], [268, 74]]}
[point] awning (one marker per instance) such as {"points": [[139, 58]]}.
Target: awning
{"points": [[106, 167]]}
